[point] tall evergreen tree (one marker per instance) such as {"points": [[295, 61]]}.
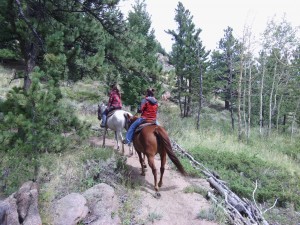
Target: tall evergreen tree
{"points": [[144, 68], [188, 55], [55, 40], [72, 34], [226, 67]]}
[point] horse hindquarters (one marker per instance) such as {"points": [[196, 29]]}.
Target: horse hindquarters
{"points": [[164, 141], [145, 143]]}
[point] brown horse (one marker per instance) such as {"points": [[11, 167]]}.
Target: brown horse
{"points": [[153, 139]]}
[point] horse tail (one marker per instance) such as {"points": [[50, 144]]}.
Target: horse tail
{"points": [[164, 140]]}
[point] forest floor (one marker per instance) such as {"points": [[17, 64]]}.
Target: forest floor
{"points": [[174, 206]]}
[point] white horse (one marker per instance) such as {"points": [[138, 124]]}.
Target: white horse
{"points": [[116, 122]]}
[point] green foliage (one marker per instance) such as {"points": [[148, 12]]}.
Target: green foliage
{"points": [[188, 56], [195, 189], [153, 216], [33, 124], [214, 213], [242, 170], [144, 69], [224, 67], [82, 93]]}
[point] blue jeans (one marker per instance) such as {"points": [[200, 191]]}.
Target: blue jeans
{"points": [[130, 132], [103, 118]]}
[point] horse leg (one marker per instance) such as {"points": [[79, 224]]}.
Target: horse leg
{"points": [[144, 156], [152, 166], [103, 145], [119, 135], [142, 162], [131, 150], [163, 159], [116, 138]]}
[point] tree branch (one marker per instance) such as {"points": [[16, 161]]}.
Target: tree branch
{"points": [[35, 34]]}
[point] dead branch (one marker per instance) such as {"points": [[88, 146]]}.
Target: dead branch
{"points": [[239, 211]]}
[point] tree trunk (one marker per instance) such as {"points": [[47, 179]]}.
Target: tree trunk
{"points": [[270, 102], [284, 122], [231, 115], [30, 64], [244, 104], [200, 97], [294, 119], [230, 92], [185, 106], [278, 113], [189, 98], [239, 98], [249, 101], [227, 104], [179, 94], [261, 99]]}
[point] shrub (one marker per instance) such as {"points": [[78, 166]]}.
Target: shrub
{"points": [[242, 170], [33, 123]]}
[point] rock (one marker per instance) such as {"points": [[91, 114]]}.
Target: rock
{"points": [[33, 215], [23, 197], [22, 206], [70, 210], [3, 209], [103, 205]]}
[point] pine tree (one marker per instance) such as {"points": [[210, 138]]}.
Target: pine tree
{"points": [[226, 67], [188, 55], [33, 123], [142, 61]]}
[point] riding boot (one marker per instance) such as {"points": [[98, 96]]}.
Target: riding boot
{"points": [[103, 120]]}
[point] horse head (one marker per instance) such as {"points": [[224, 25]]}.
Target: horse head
{"points": [[129, 119]]}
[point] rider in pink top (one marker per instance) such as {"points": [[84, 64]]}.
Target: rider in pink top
{"points": [[114, 102]]}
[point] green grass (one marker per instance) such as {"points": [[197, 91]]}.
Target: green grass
{"points": [[88, 91], [196, 189], [271, 161], [214, 213]]}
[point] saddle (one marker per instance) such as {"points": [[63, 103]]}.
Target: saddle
{"points": [[110, 113], [144, 124]]}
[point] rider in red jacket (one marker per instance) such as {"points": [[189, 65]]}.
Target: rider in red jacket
{"points": [[148, 110], [114, 102]]}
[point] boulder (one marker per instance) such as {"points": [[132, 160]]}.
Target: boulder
{"points": [[21, 207], [103, 205], [70, 210]]}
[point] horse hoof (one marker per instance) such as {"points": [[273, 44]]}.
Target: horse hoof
{"points": [[159, 184], [157, 195], [143, 174]]}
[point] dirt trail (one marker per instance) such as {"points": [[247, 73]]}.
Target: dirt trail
{"points": [[174, 207]]}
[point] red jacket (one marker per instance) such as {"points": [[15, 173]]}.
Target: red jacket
{"points": [[149, 108], [114, 100]]}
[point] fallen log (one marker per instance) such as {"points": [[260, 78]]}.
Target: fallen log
{"points": [[239, 211]]}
